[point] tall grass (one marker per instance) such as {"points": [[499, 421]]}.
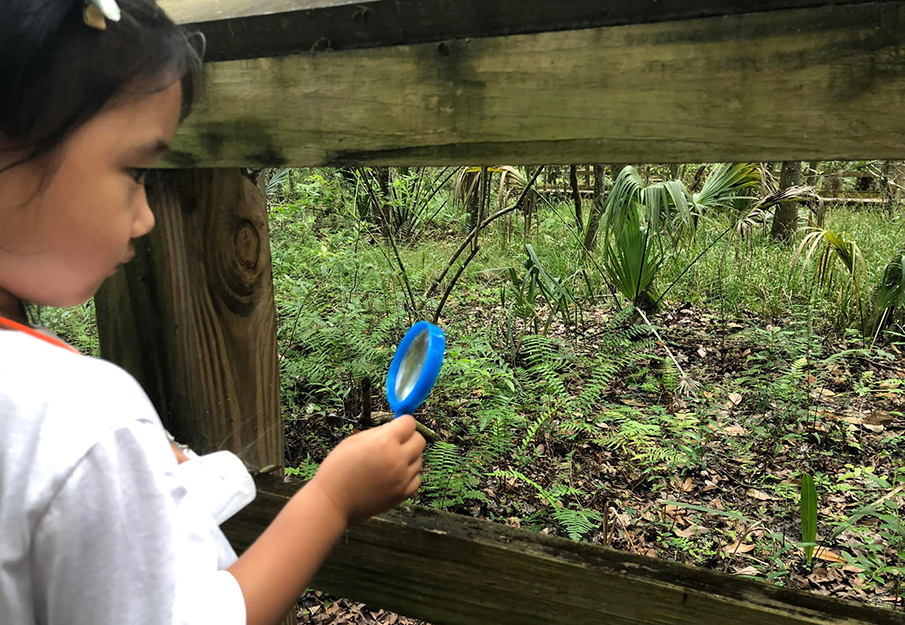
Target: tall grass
{"points": [[323, 255]]}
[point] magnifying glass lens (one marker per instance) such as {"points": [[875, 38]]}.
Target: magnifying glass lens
{"points": [[412, 364]]}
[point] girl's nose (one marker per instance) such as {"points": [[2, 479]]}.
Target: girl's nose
{"points": [[144, 221]]}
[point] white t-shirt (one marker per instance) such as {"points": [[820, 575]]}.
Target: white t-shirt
{"points": [[96, 524]]}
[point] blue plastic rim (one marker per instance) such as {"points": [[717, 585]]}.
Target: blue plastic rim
{"points": [[430, 369]]}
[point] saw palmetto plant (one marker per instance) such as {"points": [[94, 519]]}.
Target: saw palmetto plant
{"points": [[829, 249], [889, 296], [637, 216]]}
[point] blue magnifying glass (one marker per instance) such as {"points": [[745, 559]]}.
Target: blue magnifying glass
{"points": [[415, 367]]}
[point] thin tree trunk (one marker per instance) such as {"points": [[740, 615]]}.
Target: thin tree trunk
{"points": [[472, 200], [811, 177], [483, 195], [366, 403], [576, 196], [785, 218], [590, 235], [887, 187], [698, 178]]}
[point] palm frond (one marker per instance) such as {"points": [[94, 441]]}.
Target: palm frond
{"points": [[662, 198], [275, 183], [829, 248], [632, 261], [657, 201], [623, 199], [466, 184], [724, 184], [890, 293], [750, 213]]}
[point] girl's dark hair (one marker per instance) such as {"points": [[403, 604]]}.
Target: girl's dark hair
{"points": [[56, 72]]}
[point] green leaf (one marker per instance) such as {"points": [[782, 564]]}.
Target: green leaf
{"points": [[808, 515]]}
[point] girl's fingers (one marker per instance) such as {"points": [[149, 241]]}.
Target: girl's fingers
{"points": [[413, 486], [413, 447], [415, 467], [402, 427]]}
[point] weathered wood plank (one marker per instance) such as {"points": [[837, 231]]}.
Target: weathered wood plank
{"points": [[811, 84], [241, 29], [453, 570], [193, 316]]}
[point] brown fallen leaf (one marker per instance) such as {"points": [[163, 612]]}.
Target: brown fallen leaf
{"points": [[735, 398], [879, 417], [702, 352], [687, 485], [863, 422], [738, 547], [822, 553], [735, 430], [748, 570], [759, 494]]}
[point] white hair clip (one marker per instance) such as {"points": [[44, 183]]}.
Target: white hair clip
{"points": [[97, 12]]}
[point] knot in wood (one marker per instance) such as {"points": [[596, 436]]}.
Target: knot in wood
{"points": [[247, 243]]}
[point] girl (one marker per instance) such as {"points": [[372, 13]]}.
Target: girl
{"points": [[99, 524]]}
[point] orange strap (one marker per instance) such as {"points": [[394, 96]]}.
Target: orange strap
{"points": [[12, 325]]}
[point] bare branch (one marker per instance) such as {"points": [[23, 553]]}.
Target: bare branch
{"points": [[436, 283]]}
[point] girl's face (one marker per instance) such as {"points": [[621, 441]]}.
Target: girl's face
{"points": [[61, 239]]}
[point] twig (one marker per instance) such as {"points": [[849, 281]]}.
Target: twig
{"points": [[423, 430], [628, 534], [689, 384], [452, 283], [436, 283]]}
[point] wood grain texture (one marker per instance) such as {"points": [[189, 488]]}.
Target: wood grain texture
{"points": [[193, 319], [453, 570], [242, 29], [808, 84]]}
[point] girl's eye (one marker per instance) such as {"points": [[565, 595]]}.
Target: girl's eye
{"points": [[137, 174]]}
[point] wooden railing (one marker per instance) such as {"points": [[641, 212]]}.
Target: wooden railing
{"points": [[454, 570], [430, 82]]}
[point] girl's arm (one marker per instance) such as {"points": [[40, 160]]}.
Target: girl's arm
{"points": [[366, 474]]}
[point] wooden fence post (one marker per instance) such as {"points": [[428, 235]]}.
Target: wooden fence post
{"points": [[193, 316]]}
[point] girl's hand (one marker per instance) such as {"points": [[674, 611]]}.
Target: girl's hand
{"points": [[180, 455], [373, 470]]}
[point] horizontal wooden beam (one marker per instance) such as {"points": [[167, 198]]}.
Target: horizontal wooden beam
{"points": [[241, 29], [856, 200], [807, 84], [453, 570]]}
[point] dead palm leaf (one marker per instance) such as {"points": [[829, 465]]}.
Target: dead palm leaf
{"points": [[829, 248]]}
